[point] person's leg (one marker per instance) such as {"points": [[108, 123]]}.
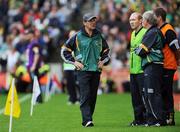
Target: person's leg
{"points": [[140, 107], [84, 85], [70, 79], [167, 95], [76, 86], [94, 84], [153, 84], [32, 74], [136, 85]]}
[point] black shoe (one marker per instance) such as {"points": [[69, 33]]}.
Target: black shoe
{"points": [[170, 119], [89, 124], [137, 123], [156, 124], [170, 122], [39, 99]]}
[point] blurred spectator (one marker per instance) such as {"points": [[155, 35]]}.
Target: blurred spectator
{"points": [[70, 79], [55, 18], [34, 56], [12, 55]]}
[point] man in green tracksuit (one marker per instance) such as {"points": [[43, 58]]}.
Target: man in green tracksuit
{"points": [[90, 54], [136, 72], [150, 50]]}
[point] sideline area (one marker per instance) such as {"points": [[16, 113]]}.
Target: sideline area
{"points": [[113, 114]]}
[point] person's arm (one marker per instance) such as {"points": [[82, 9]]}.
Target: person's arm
{"points": [[105, 58], [147, 42], [173, 42], [36, 58], [66, 52]]}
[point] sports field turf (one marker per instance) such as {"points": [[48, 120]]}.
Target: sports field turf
{"points": [[113, 114]]}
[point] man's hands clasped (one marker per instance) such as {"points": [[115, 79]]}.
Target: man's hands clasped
{"points": [[78, 65]]}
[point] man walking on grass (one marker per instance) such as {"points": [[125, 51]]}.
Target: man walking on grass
{"points": [[90, 54]]}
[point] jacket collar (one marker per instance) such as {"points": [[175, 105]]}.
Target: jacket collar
{"points": [[163, 25], [138, 31], [95, 32], [151, 27]]}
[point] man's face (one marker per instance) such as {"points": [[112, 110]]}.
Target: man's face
{"points": [[135, 21], [91, 24]]}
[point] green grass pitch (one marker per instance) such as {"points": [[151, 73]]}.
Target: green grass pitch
{"points": [[113, 114]]}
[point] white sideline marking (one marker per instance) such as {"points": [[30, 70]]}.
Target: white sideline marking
{"points": [[21, 100]]}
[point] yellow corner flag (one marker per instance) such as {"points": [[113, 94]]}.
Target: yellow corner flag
{"points": [[12, 99]]}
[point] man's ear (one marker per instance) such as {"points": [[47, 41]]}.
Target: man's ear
{"points": [[140, 21], [84, 23]]}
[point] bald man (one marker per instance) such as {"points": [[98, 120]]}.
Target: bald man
{"points": [[136, 72]]}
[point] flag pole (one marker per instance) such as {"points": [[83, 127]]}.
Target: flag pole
{"points": [[12, 103], [31, 111]]}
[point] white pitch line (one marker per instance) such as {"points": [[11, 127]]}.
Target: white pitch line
{"points": [[21, 100]]}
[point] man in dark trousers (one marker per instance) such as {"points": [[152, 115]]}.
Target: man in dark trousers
{"points": [[90, 54], [171, 57], [150, 51], [136, 72]]}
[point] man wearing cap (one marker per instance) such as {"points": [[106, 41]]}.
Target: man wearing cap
{"points": [[91, 52]]}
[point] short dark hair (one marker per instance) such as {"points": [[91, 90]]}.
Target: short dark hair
{"points": [[160, 12]]}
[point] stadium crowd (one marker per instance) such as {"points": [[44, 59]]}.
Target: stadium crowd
{"points": [[52, 20]]}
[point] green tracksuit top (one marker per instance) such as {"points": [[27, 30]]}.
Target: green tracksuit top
{"points": [[135, 60], [87, 50], [153, 40]]}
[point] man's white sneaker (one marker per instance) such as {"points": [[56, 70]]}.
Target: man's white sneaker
{"points": [[89, 124]]}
